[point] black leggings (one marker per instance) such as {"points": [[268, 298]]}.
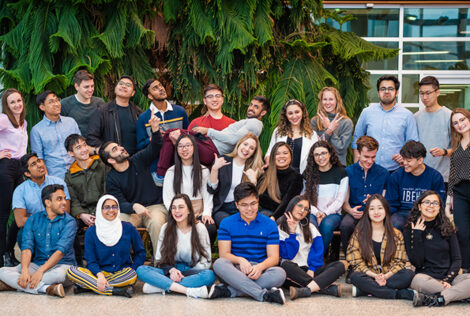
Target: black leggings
{"points": [[462, 219], [400, 280], [323, 276]]}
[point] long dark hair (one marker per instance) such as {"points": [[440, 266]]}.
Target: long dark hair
{"points": [[304, 226], [170, 238], [443, 224], [6, 109], [284, 127], [363, 232], [197, 168], [455, 137], [312, 173]]}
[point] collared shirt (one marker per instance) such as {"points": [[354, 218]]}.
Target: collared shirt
{"points": [[28, 194], [44, 237], [392, 129], [249, 240], [13, 139], [155, 110], [360, 185], [47, 140]]}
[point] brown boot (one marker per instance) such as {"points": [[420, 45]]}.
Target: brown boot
{"points": [[56, 290], [5, 287], [296, 292]]}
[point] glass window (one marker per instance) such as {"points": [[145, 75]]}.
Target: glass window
{"points": [[387, 64], [455, 96], [436, 22], [370, 22], [410, 90], [436, 55]]}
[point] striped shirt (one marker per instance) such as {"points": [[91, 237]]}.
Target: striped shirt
{"points": [[249, 241], [459, 167]]}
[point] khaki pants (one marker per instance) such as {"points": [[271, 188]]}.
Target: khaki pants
{"points": [[153, 225], [428, 285]]}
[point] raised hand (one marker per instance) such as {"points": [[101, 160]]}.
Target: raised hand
{"points": [[219, 162], [291, 222], [154, 122], [419, 224], [325, 121], [335, 122], [252, 175]]}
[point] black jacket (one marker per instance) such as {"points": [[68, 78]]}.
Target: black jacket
{"points": [[223, 187], [105, 127]]}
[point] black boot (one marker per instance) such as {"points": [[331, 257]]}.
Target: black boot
{"points": [[78, 289], [296, 292], [10, 260], [333, 290], [122, 291]]}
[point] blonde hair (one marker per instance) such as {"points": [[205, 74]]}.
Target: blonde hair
{"points": [[320, 109], [255, 162]]}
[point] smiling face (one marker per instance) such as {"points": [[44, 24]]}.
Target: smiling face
{"points": [[185, 148], [294, 114], [57, 203], [367, 158], [85, 89], [157, 91], [412, 164], [328, 102], [179, 210], [117, 152], [376, 211], [124, 89], [15, 103], [301, 210], [387, 92], [429, 207], [255, 110], [461, 123], [283, 158], [109, 210], [80, 151], [214, 99], [51, 106], [246, 149], [248, 208], [322, 157]]}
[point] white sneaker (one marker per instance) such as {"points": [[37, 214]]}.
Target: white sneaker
{"points": [[150, 289], [197, 292]]}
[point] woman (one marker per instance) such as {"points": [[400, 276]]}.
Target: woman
{"points": [[459, 180], [108, 245], [326, 187], [377, 255], [332, 122], [279, 183], [242, 164], [295, 129], [13, 144], [301, 251], [188, 176], [183, 255], [433, 248]]}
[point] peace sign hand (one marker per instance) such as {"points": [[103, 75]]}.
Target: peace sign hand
{"points": [[291, 222], [324, 120], [335, 122], [419, 224]]}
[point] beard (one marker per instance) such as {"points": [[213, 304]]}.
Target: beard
{"points": [[122, 157]]}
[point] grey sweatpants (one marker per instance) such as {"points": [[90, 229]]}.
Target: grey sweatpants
{"points": [[239, 284], [428, 285]]}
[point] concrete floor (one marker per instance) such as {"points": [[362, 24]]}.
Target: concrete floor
{"points": [[13, 303]]}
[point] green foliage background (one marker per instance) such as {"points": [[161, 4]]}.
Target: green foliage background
{"points": [[281, 49]]}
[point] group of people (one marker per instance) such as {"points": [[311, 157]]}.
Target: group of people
{"points": [[97, 171]]}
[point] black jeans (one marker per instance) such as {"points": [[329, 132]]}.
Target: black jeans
{"points": [[462, 219], [347, 226], [400, 280], [10, 178], [226, 210], [323, 276]]}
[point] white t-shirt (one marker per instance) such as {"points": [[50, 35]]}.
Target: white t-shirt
{"points": [[237, 174]]}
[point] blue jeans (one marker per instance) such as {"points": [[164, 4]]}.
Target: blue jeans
{"points": [[156, 277], [327, 226]]}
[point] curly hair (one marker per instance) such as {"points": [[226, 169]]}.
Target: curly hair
{"points": [[284, 127], [320, 109], [312, 173], [443, 224]]}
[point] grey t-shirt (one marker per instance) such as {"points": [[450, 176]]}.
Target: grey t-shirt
{"points": [[434, 131], [82, 113]]}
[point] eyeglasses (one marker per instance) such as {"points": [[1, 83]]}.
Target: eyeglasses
{"points": [[323, 153], [429, 203], [389, 89], [187, 146], [123, 83], [212, 96], [109, 207], [251, 205], [427, 93], [305, 209]]}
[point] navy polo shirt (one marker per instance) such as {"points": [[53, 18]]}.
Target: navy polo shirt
{"points": [[359, 185], [249, 240]]}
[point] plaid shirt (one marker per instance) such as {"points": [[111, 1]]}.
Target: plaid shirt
{"points": [[398, 262]]}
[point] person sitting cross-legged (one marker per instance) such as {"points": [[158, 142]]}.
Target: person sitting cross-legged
{"points": [[249, 252], [108, 244]]}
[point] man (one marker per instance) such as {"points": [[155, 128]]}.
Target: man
{"points": [[388, 122], [226, 139], [46, 252], [130, 181], [116, 121], [82, 106], [171, 116], [48, 136], [434, 127], [249, 252], [408, 182], [365, 179]]}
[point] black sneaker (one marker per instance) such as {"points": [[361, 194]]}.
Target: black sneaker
{"points": [[219, 291], [333, 290], [78, 290], [122, 291], [421, 299], [274, 295], [356, 292], [406, 294]]}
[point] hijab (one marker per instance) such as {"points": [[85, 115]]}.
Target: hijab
{"points": [[108, 232]]}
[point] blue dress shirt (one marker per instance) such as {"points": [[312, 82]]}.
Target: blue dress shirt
{"points": [[47, 140]]}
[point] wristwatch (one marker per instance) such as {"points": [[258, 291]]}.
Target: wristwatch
{"points": [[445, 151]]}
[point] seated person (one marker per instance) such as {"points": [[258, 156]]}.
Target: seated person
{"points": [[365, 178], [189, 177], [27, 196], [183, 261], [109, 243], [249, 252], [433, 248], [301, 250], [47, 136], [377, 255], [243, 164], [407, 183], [44, 261], [279, 183], [131, 183]]}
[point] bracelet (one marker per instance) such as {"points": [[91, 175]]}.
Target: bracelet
{"points": [[445, 151]]}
